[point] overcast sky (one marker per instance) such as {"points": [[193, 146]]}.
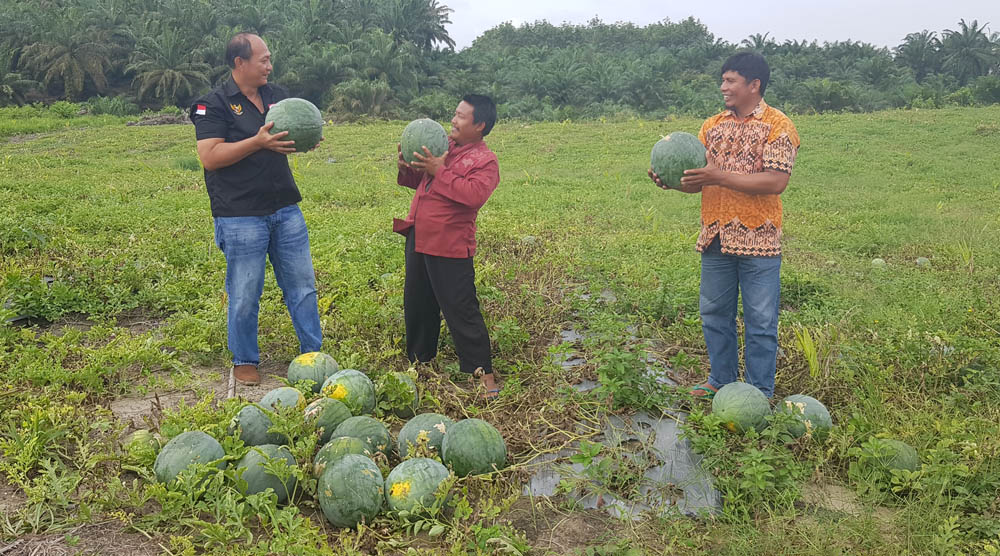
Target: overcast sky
{"points": [[882, 22]]}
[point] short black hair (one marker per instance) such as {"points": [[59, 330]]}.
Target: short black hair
{"points": [[484, 110], [750, 65], [238, 46]]}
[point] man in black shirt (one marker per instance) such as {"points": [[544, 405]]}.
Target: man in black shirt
{"points": [[254, 203]]}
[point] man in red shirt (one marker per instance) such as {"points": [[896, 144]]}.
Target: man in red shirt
{"points": [[440, 235]]}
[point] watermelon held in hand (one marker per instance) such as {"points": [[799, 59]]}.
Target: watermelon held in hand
{"points": [[423, 133], [353, 388], [259, 479], [315, 366], [812, 416], [414, 483], [675, 153], [285, 396], [350, 491], [184, 450], [741, 407], [253, 426], [300, 118], [473, 446], [370, 431], [335, 449], [427, 429], [326, 414]]}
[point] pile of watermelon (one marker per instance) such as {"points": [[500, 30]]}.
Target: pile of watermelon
{"points": [[742, 407], [354, 446]]}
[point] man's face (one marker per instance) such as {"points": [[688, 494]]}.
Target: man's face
{"points": [[463, 129], [736, 92], [255, 70]]}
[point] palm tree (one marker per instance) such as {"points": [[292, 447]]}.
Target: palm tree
{"points": [[165, 69], [921, 52], [66, 56], [377, 56], [968, 51], [759, 43], [421, 22], [13, 85]]}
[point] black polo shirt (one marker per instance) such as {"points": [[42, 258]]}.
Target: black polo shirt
{"points": [[262, 182]]}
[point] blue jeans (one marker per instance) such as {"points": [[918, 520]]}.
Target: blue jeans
{"points": [[723, 278], [247, 242]]}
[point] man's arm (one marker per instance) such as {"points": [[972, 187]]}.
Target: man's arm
{"points": [[768, 182], [471, 190], [215, 153], [407, 177]]}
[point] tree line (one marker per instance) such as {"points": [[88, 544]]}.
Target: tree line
{"points": [[395, 58]]}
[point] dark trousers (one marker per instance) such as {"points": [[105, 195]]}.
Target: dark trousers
{"points": [[436, 285]]}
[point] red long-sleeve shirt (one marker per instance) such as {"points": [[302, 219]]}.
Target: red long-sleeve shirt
{"points": [[444, 208]]}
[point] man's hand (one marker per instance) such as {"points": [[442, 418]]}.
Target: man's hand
{"points": [[428, 162], [401, 164], [700, 177], [316, 146], [265, 140], [684, 188]]}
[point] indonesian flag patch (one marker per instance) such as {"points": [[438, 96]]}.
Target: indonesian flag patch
{"points": [[199, 109]]}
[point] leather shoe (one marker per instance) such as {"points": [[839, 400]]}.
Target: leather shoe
{"points": [[246, 375]]}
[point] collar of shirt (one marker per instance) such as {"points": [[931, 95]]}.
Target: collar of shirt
{"points": [[455, 149], [757, 113]]}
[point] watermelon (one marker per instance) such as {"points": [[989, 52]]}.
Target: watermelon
{"points": [[413, 484], [741, 407], [897, 455], [253, 425], [258, 478], [141, 447], [812, 416], [186, 449], [350, 491], [300, 118], [370, 431], [286, 396], [335, 449], [426, 428], [353, 388], [473, 446], [315, 366], [400, 392], [326, 414], [675, 153], [423, 133]]}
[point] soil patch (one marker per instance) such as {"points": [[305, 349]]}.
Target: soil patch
{"points": [[106, 538], [135, 410]]}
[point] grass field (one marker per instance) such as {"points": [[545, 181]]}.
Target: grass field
{"points": [[106, 242]]}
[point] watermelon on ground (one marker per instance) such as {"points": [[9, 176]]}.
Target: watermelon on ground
{"points": [[336, 448], [741, 407], [252, 425], [315, 366], [473, 446], [897, 455], [423, 133], [675, 153], [353, 388], [285, 396], [259, 479], [300, 118], [370, 431], [184, 450], [326, 414], [811, 414], [400, 391], [428, 429], [413, 484], [350, 491]]}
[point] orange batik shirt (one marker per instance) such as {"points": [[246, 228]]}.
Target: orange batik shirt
{"points": [[746, 224]]}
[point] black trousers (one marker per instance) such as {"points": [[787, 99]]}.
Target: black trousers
{"points": [[436, 285]]}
